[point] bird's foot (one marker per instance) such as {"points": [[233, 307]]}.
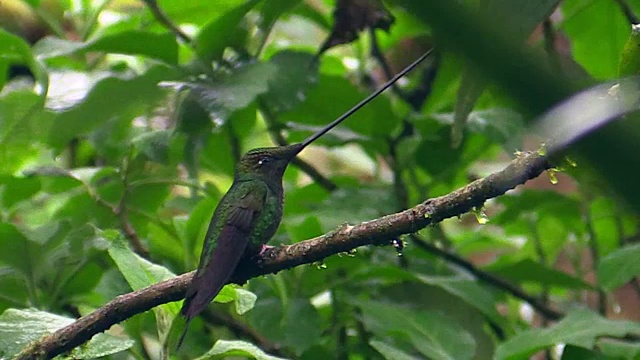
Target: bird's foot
{"points": [[259, 257], [264, 249]]}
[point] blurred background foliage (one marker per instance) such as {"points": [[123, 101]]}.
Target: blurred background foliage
{"points": [[120, 123]]}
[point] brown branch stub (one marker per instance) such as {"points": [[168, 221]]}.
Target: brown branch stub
{"points": [[343, 239]]}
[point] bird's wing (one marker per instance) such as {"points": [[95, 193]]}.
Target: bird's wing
{"points": [[229, 248]]}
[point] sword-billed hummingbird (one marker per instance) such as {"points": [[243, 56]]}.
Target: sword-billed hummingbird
{"points": [[248, 215]]}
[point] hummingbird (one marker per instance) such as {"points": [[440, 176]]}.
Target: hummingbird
{"points": [[249, 214]]}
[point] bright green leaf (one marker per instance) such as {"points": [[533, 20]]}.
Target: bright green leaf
{"points": [[224, 348], [245, 300]]}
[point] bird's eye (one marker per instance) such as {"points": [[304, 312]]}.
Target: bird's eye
{"points": [[263, 160]]}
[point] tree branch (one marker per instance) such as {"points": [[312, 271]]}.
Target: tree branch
{"points": [[343, 239]]}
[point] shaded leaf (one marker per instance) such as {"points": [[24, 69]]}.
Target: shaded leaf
{"points": [[132, 42], [108, 99], [222, 32], [469, 291], [301, 325], [15, 50], [434, 335], [233, 92], [579, 328], [527, 270], [618, 267], [295, 73]]}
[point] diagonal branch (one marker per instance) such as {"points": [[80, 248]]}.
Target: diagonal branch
{"points": [[345, 238]]}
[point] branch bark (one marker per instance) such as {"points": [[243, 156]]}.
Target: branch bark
{"points": [[345, 238]]}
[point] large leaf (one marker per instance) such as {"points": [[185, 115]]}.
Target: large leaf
{"points": [[19, 327], [469, 291], [223, 349], [597, 49], [618, 267], [580, 328], [231, 93], [296, 73], [141, 273], [110, 98], [133, 42], [529, 271], [22, 127], [433, 335], [390, 352], [334, 95], [301, 325], [222, 32]]}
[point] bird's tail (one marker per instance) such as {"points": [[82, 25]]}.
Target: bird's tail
{"points": [[184, 333]]}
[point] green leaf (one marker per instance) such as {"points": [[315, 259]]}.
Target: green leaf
{"points": [[162, 47], [579, 328], [471, 87], [571, 352], [527, 270], [21, 128], [20, 327], [619, 349], [469, 291], [232, 92], [390, 352], [15, 50], [141, 273], [266, 317], [13, 249], [432, 334], [296, 74], [334, 95], [245, 300], [224, 348], [618, 267], [154, 144], [110, 98], [301, 325], [15, 189], [596, 48], [222, 32]]}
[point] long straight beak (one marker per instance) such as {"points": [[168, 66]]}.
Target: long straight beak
{"points": [[364, 102]]}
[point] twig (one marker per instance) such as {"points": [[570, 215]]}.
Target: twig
{"points": [[121, 210], [277, 137], [165, 21], [343, 239], [377, 54], [595, 258], [490, 279]]}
